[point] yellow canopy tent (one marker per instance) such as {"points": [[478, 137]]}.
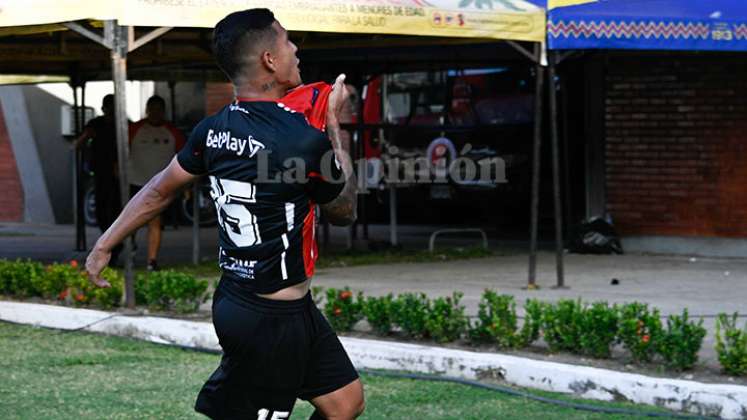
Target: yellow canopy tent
{"points": [[44, 37], [505, 19]]}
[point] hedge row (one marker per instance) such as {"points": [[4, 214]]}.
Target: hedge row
{"points": [[68, 284], [566, 326]]}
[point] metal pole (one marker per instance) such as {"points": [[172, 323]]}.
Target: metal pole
{"points": [[538, 96], [393, 215], [78, 200], [567, 192], [556, 174], [119, 75]]}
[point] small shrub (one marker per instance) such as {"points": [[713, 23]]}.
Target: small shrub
{"points": [[168, 289], [496, 320], [446, 320], [561, 325], [598, 330], [82, 292], [530, 331], [55, 279], [640, 329], [17, 278], [731, 345], [342, 310], [409, 312], [378, 313], [681, 341]]}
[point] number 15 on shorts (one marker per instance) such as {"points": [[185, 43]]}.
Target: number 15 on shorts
{"points": [[276, 415]]}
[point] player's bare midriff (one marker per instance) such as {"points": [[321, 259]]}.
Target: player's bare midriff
{"points": [[294, 292]]}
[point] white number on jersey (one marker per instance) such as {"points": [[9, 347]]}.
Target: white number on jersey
{"points": [[230, 199]]}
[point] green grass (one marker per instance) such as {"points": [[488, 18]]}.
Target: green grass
{"points": [[53, 375], [357, 258]]}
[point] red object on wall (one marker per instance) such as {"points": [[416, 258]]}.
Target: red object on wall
{"points": [[372, 115], [11, 199]]}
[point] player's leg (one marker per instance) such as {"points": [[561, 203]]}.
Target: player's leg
{"points": [[331, 384], [154, 242], [265, 351], [344, 403]]}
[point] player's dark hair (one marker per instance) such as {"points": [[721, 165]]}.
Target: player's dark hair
{"points": [[156, 100], [236, 34]]}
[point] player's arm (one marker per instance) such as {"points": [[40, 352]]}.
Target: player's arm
{"points": [[341, 211], [153, 198]]}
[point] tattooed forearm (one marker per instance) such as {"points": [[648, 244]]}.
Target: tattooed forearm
{"points": [[342, 211]]}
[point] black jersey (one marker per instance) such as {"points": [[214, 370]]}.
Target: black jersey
{"points": [[268, 167]]}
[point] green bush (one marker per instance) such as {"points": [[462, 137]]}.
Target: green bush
{"points": [[561, 325], [598, 330], [731, 345], [445, 320], [409, 312], [171, 290], [530, 331], [82, 292], [640, 329], [496, 320], [681, 341], [17, 278], [56, 278], [378, 313], [342, 310]]}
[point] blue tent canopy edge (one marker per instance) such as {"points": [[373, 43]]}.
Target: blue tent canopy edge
{"points": [[693, 25]]}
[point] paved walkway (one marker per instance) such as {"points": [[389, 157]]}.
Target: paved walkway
{"points": [[704, 286]]}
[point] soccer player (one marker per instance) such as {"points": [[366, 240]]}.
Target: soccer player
{"points": [[276, 344]]}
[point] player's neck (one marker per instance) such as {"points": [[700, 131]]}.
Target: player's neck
{"points": [[258, 90]]}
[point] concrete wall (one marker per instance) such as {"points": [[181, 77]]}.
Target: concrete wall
{"points": [[55, 156], [676, 144], [37, 207], [11, 199]]}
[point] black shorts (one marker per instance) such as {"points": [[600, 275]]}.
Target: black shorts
{"points": [[273, 352]]}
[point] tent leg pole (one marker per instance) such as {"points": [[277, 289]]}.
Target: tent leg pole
{"points": [[556, 175], [119, 76], [534, 211], [78, 201]]}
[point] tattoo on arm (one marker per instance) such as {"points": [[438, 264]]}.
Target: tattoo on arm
{"points": [[342, 211]]}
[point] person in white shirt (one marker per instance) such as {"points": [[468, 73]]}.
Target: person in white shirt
{"points": [[153, 143]]}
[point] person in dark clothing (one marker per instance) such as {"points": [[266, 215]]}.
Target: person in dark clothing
{"points": [[104, 150]]}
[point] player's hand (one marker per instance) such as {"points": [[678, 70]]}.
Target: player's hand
{"points": [[336, 100], [96, 263]]}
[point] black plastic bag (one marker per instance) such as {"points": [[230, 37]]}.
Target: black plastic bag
{"points": [[596, 236]]}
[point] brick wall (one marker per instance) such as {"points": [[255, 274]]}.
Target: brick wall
{"points": [[11, 192], [217, 95], [676, 144]]}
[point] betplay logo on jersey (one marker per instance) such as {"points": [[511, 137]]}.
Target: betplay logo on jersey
{"points": [[223, 140]]}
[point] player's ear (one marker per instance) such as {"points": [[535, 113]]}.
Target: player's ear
{"points": [[268, 61]]}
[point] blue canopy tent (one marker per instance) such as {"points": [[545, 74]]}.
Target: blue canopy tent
{"points": [[693, 25]]}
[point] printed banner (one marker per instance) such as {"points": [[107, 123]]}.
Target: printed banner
{"points": [[496, 19]]}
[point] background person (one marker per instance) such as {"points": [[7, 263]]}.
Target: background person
{"points": [[153, 143], [102, 134]]}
